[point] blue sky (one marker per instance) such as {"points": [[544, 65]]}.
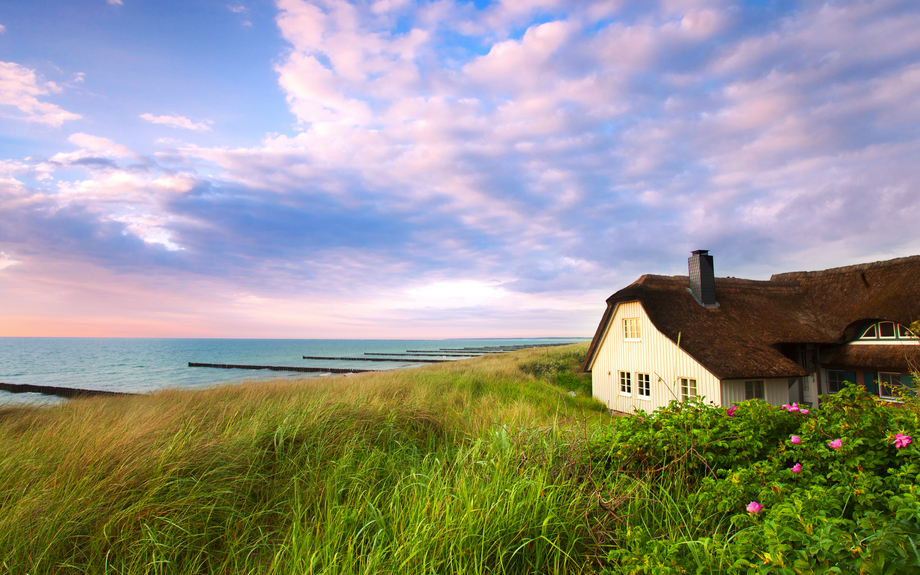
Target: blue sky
{"points": [[394, 168]]}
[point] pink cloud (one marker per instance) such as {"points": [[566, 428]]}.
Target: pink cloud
{"points": [[20, 88], [179, 122]]}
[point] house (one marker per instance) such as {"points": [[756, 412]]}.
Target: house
{"points": [[793, 338]]}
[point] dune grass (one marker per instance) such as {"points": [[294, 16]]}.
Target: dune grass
{"points": [[499, 464], [466, 467]]}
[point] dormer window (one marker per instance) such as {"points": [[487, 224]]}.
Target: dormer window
{"points": [[886, 330]]}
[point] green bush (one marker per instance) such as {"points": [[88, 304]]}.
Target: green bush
{"points": [[853, 509]]}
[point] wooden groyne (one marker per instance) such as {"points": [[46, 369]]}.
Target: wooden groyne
{"points": [[280, 368], [379, 359], [68, 392], [424, 354], [477, 351], [502, 348]]}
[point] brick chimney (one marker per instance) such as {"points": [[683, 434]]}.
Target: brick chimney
{"points": [[702, 278]]}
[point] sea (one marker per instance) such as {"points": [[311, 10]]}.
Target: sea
{"points": [[145, 365]]}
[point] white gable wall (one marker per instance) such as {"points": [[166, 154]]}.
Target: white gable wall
{"points": [[653, 354]]}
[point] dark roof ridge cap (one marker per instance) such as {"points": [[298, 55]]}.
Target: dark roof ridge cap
{"points": [[759, 285], [791, 276]]}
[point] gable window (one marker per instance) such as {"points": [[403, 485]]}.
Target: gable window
{"points": [[625, 383], [643, 382], [905, 333], [870, 333], [754, 390], [687, 388], [631, 329], [887, 382]]}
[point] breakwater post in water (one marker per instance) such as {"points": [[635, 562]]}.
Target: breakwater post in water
{"points": [[379, 359], [68, 392], [280, 368]]}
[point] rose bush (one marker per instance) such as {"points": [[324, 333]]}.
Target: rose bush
{"points": [[836, 489]]}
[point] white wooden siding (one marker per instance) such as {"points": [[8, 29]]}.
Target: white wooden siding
{"points": [[653, 354], [776, 391]]}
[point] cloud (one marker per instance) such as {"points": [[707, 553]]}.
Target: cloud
{"points": [[101, 145], [94, 151], [2, 28], [179, 122], [236, 9], [20, 88], [508, 167], [608, 124], [116, 2], [456, 294], [7, 260]]}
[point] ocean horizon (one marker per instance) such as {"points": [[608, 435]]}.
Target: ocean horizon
{"points": [[145, 365]]}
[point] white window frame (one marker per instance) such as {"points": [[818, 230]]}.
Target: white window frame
{"points": [[631, 330], [874, 328], [755, 385], [891, 386], [686, 390], [644, 384], [625, 383], [894, 330], [905, 333]]}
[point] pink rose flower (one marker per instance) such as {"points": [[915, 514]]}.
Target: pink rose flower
{"points": [[795, 439], [797, 468], [731, 410], [803, 411], [754, 508], [836, 444], [901, 440]]}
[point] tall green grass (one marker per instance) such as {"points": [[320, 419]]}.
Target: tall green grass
{"points": [[467, 467], [499, 464]]}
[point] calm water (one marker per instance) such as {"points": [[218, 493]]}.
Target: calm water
{"points": [[144, 365]]}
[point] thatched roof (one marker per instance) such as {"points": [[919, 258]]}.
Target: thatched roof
{"points": [[741, 338], [902, 358]]}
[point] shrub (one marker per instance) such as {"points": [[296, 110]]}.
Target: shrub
{"points": [[850, 505]]}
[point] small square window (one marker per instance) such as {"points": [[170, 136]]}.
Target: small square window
{"points": [[687, 388], [753, 390], [834, 380], [631, 328], [625, 382], [644, 383]]}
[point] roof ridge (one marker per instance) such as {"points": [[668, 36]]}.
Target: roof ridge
{"points": [[790, 276]]}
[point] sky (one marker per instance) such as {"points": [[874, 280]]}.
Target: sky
{"points": [[436, 169]]}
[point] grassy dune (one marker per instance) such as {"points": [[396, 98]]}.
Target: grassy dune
{"points": [[466, 467], [489, 465]]}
